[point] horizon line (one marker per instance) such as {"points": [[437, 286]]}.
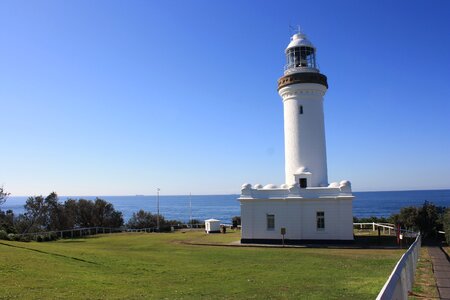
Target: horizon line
{"points": [[224, 194]]}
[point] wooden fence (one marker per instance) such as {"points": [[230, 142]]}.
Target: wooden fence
{"points": [[386, 227]]}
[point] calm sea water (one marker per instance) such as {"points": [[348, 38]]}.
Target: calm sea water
{"points": [[224, 207]]}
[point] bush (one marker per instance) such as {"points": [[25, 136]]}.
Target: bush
{"points": [[24, 238], [429, 219], [47, 238], [165, 228], [236, 221], [13, 237], [3, 235], [144, 219], [446, 223], [39, 238]]}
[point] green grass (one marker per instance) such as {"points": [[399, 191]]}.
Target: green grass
{"points": [[157, 266], [424, 280]]}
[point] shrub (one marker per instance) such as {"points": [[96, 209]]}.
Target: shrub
{"points": [[429, 219], [144, 219], [53, 236], [236, 221], [165, 228], [39, 238], [446, 223], [13, 237], [24, 238], [3, 235]]}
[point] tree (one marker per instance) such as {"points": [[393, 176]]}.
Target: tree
{"points": [[85, 213], [143, 219], [6, 218], [3, 195], [98, 213], [48, 214], [43, 214], [70, 213], [407, 217], [429, 219], [105, 214], [55, 214], [35, 210], [7, 221]]}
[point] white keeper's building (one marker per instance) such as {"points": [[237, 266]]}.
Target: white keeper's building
{"points": [[306, 206]]}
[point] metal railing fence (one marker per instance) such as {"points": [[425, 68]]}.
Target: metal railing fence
{"points": [[86, 231], [401, 280]]}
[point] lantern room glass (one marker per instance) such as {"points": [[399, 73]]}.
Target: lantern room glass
{"points": [[301, 57]]}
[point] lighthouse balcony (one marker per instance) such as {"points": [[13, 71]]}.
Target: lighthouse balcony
{"points": [[290, 69]]}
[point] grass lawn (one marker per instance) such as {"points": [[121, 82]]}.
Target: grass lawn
{"points": [[156, 266], [424, 280]]}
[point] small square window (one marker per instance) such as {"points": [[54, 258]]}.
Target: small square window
{"points": [[320, 217], [270, 222]]}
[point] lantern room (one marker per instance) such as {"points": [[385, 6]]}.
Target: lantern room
{"points": [[300, 55]]}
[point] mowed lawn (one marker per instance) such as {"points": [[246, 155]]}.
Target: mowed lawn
{"points": [[162, 265]]}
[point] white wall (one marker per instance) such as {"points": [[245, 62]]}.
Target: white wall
{"points": [[212, 226], [304, 134], [298, 216]]}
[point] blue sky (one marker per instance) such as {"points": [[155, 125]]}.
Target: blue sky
{"points": [[121, 97]]}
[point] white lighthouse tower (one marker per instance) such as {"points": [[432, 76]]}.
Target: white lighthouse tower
{"points": [[304, 208], [302, 89]]}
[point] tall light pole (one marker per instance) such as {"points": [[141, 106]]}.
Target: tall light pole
{"points": [[157, 205], [190, 209]]}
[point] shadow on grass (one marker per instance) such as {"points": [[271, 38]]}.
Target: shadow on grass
{"points": [[82, 239], [72, 241], [381, 242], [359, 242], [50, 253]]}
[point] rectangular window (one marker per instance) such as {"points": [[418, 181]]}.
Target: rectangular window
{"points": [[300, 109], [303, 183], [320, 217], [270, 222]]}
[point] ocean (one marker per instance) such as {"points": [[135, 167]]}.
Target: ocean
{"points": [[224, 207]]}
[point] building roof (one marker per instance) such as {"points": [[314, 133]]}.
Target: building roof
{"points": [[299, 40]]}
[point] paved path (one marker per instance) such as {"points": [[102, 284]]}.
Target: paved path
{"points": [[441, 269]]}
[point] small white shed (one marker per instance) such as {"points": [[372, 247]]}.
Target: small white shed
{"points": [[212, 226]]}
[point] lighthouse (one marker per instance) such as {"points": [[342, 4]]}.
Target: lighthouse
{"points": [[306, 207], [302, 89]]}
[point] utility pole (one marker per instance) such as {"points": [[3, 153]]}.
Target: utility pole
{"points": [[190, 209], [157, 205]]}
